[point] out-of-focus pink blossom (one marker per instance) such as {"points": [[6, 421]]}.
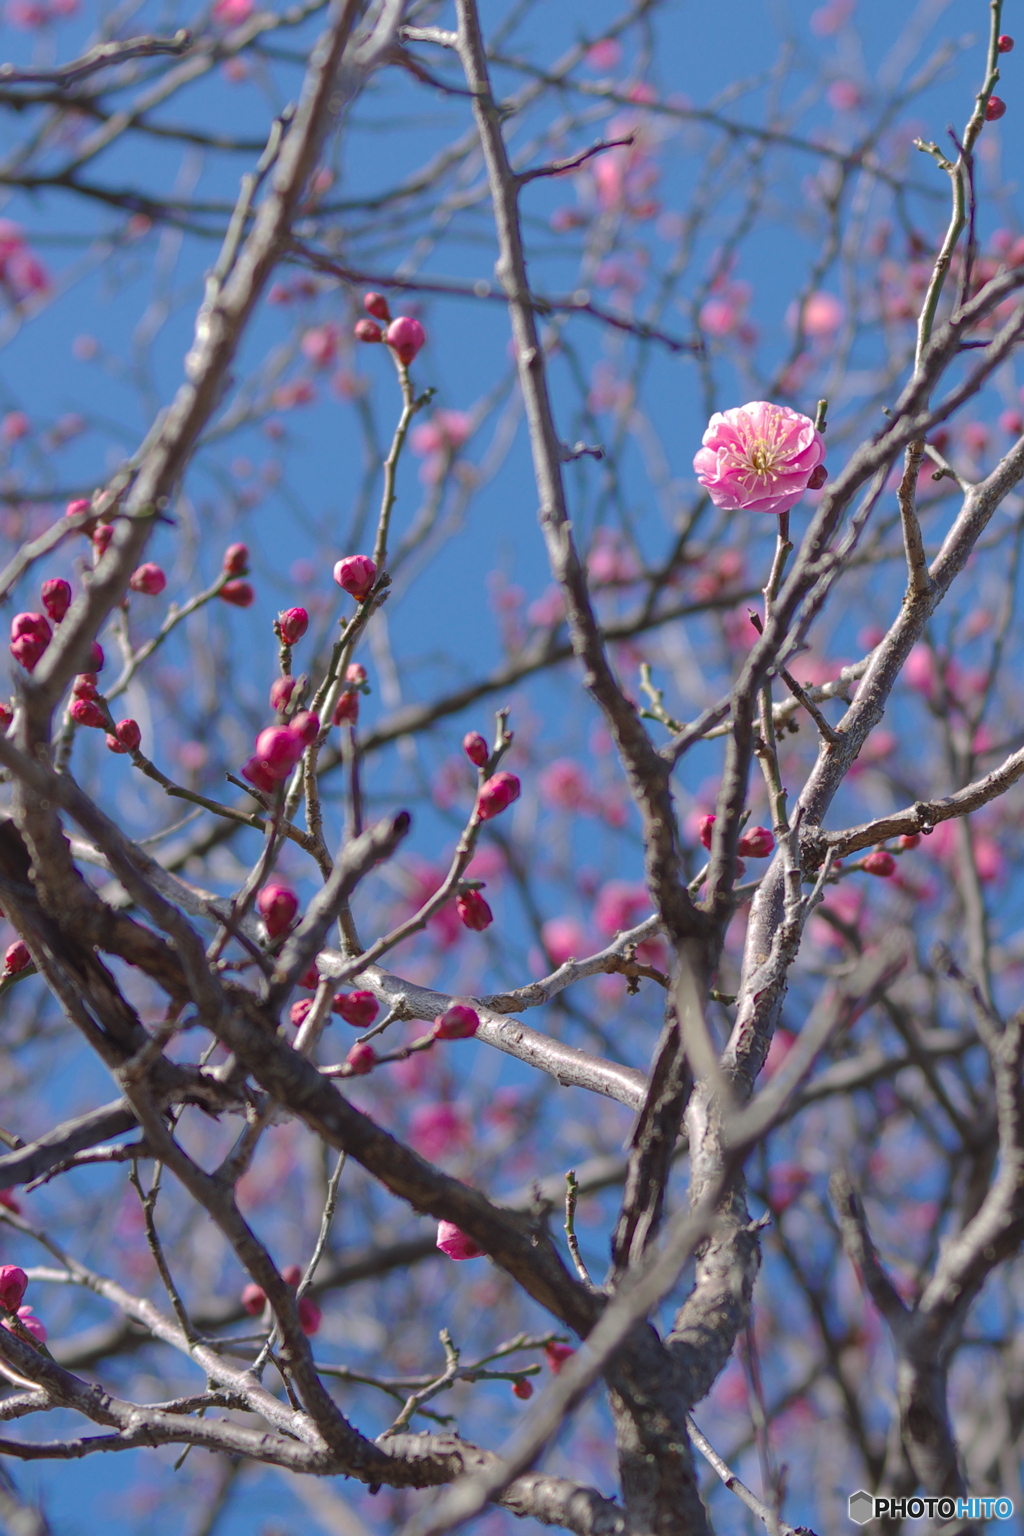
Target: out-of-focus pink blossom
{"points": [[557, 1355], [231, 13], [28, 1320], [443, 433], [831, 17], [319, 345], [786, 1182], [620, 905], [843, 96], [919, 671], [253, 1299], [564, 938], [782, 1043], [310, 1315], [758, 457], [435, 1129], [604, 55], [563, 786], [823, 314], [148, 579]]}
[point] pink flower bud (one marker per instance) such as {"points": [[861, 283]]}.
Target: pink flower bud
{"points": [[756, 843], [56, 597], [236, 560], [496, 795], [31, 1323], [454, 1242], [84, 686], [298, 1011], [474, 911], [77, 507], [128, 734], [88, 712], [97, 660], [458, 1022], [306, 726], [361, 1059], [101, 537], [291, 1275], [238, 593], [113, 745], [281, 690], [368, 330], [310, 1315], [557, 1355], [257, 775], [880, 863], [357, 1008], [405, 336], [32, 624], [277, 905], [17, 958], [279, 748], [8, 1201], [1004, 43], [6, 716], [356, 575], [310, 978], [475, 748], [523, 1388], [292, 624], [13, 1284], [346, 711], [376, 305], [995, 109], [253, 1299], [355, 672], [704, 830], [909, 840], [148, 579], [27, 650]]}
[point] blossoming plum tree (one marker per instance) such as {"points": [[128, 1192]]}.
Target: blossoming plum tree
{"points": [[663, 850]]}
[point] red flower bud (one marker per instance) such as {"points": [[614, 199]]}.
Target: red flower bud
{"points": [[292, 624], [310, 978], [279, 748], [356, 575], [474, 911], [17, 958], [27, 650], [376, 305], [346, 711], [291, 1275], [236, 560], [31, 624], [355, 672], [995, 109], [88, 712], [306, 726], [475, 748], [298, 1011], [113, 745], [13, 1284], [523, 1389], [257, 775], [56, 597], [557, 1355], [880, 863], [310, 1315], [817, 477], [1004, 43], [84, 686], [6, 716], [704, 830], [7, 1199], [909, 840], [277, 905], [458, 1022], [238, 593], [281, 690], [253, 1299], [149, 579], [454, 1242], [368, 330], [405, 336], [128, 734], [496, 795], [361, 1059], [97, 659], [756, 843], [357, 1008], [101, 537], [77, 507]]}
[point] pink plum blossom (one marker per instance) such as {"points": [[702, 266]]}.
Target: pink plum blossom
{"points": [[758, 457], [454, 1242]]}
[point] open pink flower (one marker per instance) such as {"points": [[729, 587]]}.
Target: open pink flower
{"points": [[758, 457]]}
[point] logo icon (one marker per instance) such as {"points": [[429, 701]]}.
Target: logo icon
{"points": [[861, 1506]]}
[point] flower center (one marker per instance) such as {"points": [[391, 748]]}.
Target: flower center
{"points": [[762, 457]]}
